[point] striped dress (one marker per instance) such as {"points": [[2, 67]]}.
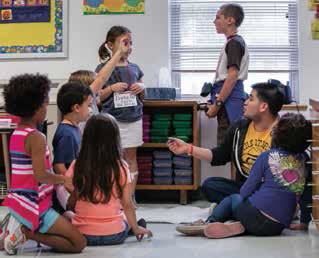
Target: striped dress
{"points": [[27, 197]]}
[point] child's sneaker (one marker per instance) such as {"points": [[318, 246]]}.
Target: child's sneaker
{"points": [[195, 228], [211, 208], [15, 236], [3, 229], [222, 230]]}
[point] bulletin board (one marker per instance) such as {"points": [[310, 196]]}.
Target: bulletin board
{"points": [[106, 7], [36, 39]]}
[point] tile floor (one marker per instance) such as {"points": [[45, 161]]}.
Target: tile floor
{"points": [[167, 243]]}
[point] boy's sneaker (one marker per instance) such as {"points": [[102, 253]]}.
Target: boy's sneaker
{"points": [[221, 230], [14, 237], [3, 229], [195, 228]]}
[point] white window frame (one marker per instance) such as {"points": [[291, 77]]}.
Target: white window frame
{"points": [[175, 49]]}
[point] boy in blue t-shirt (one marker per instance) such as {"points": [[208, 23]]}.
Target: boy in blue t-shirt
{"points": [[73, 102]]}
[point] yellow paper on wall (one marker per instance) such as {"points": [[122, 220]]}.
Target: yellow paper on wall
{"points": [[24, 34]]}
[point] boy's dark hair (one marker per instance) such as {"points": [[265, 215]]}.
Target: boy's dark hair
{"points": [[111, 36], [99, 163], [70, 94], [292, 133], [271, 94], [235, 11], [25, 94]]}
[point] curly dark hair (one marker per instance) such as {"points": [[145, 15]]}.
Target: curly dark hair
{"points": [[292, 133], [70, 94], [99, 163], [25, 94]]}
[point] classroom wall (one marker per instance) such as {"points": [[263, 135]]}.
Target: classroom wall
{"points": [[308, 55], [151, 52], [86, 33]]}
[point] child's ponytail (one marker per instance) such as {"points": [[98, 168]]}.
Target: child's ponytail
{"points": [[104, 53]]}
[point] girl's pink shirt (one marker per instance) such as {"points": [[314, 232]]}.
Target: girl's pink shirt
{"points": [[100, 219]]}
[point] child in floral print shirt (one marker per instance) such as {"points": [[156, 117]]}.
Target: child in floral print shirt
{"points": [[268, 199]]}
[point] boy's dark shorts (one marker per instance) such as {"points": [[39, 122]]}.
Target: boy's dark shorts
{"points": [[223, 125]]}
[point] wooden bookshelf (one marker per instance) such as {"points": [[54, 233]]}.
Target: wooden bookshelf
{"points": [[152, 107]]}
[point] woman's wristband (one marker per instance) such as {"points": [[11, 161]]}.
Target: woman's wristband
{"points": [[190, 150]]}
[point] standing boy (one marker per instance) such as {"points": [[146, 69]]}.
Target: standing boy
{"points": [[227, 95]]}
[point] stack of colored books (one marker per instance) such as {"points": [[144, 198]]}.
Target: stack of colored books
{"points": [[162, 167], [145, 164]]}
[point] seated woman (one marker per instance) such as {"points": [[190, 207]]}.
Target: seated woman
{"points": [[277, 182]]}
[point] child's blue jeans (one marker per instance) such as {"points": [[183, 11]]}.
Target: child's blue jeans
{"points": [[226, 208], [115, 239], [254, 222]]}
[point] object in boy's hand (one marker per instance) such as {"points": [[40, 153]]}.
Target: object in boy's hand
{"points": [[171, 140], [203, 106]]}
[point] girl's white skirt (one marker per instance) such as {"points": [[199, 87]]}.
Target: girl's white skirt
{"points": [[131, 133]]}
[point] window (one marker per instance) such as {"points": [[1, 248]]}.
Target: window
{"points": [[270, 29]]}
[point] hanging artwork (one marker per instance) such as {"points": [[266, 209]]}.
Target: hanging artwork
{"points": [[315, 25], [312, 4], [31, 38], [96, 7], [17, 11]]}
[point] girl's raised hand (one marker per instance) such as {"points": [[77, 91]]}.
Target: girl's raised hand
{"points": [[119, 87], [125, 46], [140, 232], [177, 146]]}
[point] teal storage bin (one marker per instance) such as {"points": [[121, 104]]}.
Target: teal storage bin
{"points": [[161, 124], [182, 124], [159, 132], [183, 117], [184, 131], [162, 117]]}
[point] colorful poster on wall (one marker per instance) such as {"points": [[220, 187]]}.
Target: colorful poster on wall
{"points": [[96, 7], [17, 11], [36, 39], [312, 4]]}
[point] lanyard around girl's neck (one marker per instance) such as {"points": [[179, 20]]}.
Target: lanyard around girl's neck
{"points": [[118, 77]]}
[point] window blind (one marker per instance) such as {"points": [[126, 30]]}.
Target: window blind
{"points": [[270, 29]]}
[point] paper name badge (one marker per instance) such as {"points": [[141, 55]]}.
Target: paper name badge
{"points": [[124, 100]]}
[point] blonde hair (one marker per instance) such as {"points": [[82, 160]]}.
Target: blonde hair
{"points": [[85, 77]]}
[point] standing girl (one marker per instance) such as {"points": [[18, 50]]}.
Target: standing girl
{"points": [[29, 197], [127, 91], [97, 80], [102, 186]]}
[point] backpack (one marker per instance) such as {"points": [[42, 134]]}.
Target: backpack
{"points": [[285, 89]]}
